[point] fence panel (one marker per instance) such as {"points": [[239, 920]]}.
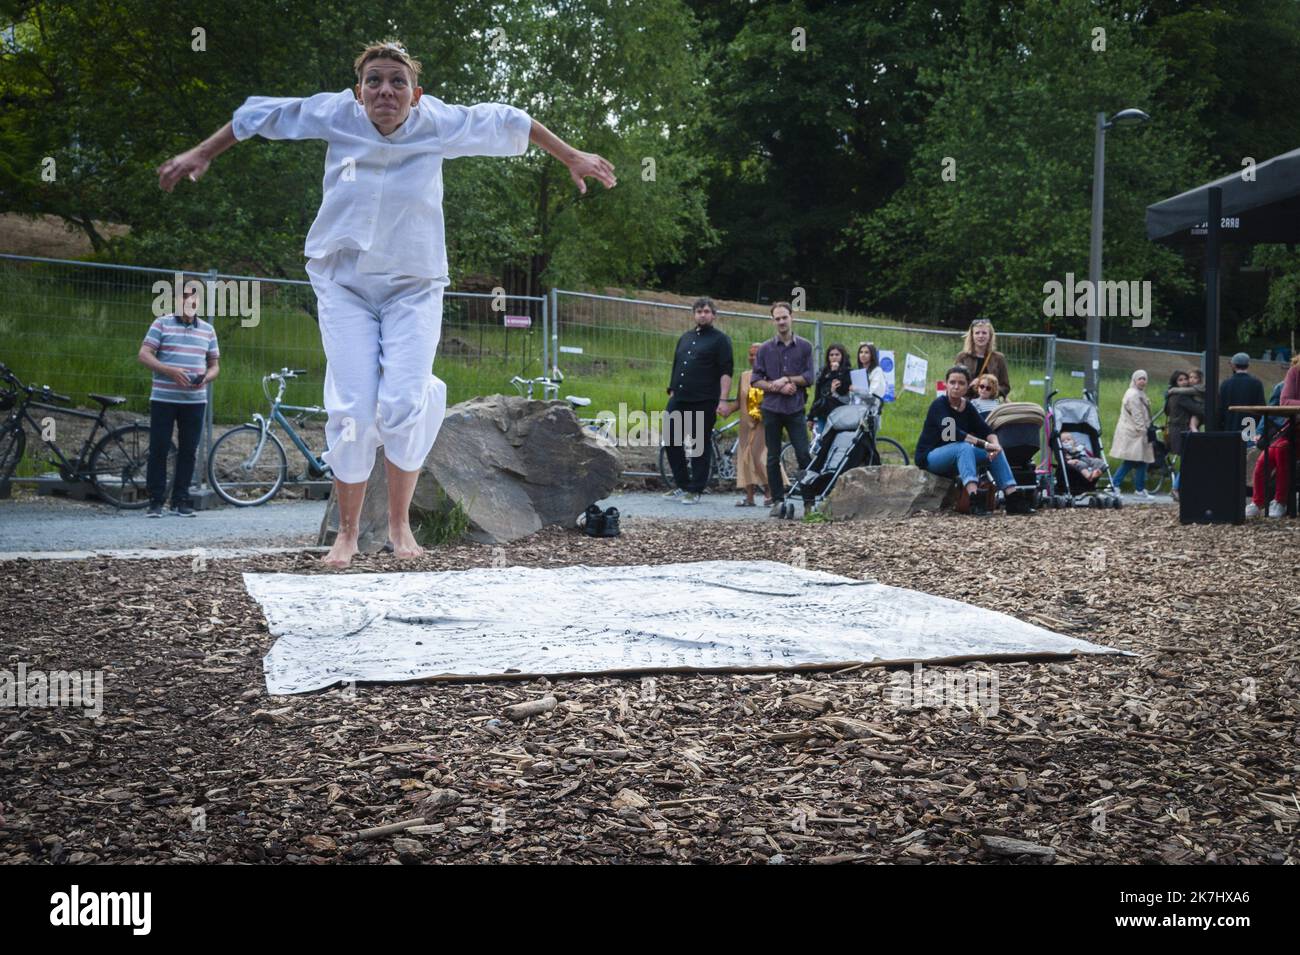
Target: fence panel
{"points": [[77, 326]]}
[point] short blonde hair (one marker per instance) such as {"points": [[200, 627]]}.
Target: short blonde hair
{"points": [[387, 50]]}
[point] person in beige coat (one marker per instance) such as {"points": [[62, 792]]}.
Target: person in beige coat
{"points": [[751, 455], [1130, 443]]}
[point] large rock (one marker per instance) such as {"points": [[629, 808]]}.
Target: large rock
{"points": [[513, 465], [866, 493]]}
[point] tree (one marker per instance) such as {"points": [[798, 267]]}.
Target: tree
{"points": [[1012, 117]]}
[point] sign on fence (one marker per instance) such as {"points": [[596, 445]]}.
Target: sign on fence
{"points": [[518, 321]]}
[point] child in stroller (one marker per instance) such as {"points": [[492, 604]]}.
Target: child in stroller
{"points": [[1076, 430], [1078, 458]]}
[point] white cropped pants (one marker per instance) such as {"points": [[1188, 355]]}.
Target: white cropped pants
{"points": [[380, 332]]}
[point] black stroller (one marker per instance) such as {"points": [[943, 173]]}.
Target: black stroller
{"points": [[847, 441], [1019, 429], [1080, 419]]}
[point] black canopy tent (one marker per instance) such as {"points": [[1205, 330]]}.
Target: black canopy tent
{"points": [[1252, 205]]}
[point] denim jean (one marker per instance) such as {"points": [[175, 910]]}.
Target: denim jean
{"points": [[1139, 469], [961, 459]]}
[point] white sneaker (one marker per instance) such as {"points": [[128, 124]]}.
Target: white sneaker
{"points": [[674, 493], [690, 498], [1142, 495], [1252, 509], [1276, 509]]}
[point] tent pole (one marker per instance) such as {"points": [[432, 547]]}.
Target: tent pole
{"points": [[1212, 411]]}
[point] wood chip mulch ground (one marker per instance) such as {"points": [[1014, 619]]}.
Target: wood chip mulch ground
{"points": [[1186, 752]]}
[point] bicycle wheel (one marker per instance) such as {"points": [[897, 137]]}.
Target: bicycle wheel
{"points": [[119, 466], [789, 464], [666, 472], [1157, 479], [13, 442], [241, 473], [723, 465], [890, 454]]}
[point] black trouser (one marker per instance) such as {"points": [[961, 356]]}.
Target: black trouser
{"points": [[796, 426], [690, 423], [187, 420]]}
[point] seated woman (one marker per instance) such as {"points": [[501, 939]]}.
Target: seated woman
{"points": [[955, 441], [1278, 455], [832, 389], [1077, 457], [985, 398]]}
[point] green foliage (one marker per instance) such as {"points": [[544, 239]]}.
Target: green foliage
{"points": [[1015, 111], [445, 524], [112, 90]]}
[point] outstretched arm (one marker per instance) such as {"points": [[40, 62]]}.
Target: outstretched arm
{"points": [[580, 164], [193, 163]]}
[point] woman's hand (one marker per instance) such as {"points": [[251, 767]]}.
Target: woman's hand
{"points": [[191, 164], [599, 168], [835, 385]]}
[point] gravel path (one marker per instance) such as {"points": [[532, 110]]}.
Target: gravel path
{"points": [[30, 524]]}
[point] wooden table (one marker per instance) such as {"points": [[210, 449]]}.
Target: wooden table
{"points": [[1268, 413]]}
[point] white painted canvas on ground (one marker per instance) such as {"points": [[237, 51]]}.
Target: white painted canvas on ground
{"points": [[707, 615]]}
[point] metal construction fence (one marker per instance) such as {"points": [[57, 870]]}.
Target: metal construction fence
{"points": [[77, 326]]}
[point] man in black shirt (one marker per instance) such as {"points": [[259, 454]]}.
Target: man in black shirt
{"points": [[698, 389], [1242, 388]]}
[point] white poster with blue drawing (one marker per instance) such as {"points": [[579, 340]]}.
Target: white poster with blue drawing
{"points": [[915, 373], [887, 366]]}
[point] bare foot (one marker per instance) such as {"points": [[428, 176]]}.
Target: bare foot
{"points": [[341, 554], [403, 541]]}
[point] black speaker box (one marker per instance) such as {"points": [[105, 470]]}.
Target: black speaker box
{"points": [[1213, 476]]}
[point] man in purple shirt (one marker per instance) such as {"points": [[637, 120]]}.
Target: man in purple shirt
{"points": [[783, 369]]}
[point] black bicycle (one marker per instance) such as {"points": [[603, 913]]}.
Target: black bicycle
{"points": [[115, 465]]}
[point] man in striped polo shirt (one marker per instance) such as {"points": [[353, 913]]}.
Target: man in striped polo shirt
{"points": [[182, 353]]}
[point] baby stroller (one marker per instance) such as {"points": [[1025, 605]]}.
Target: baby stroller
{"points": [[1081, 419], [847, 441], [1018, 426]]}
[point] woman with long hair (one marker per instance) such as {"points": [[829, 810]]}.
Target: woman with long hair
{"points": [[832, 387], [980, 355]]}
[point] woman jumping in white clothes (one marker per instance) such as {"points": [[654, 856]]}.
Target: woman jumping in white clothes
{"points": [[377, 258]]}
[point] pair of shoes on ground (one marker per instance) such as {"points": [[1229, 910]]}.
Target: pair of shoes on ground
{"points": [[180, 510], [598, 523], [1275, 509]]}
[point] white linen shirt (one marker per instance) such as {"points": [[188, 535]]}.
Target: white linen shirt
{"points": [[383, 194]]}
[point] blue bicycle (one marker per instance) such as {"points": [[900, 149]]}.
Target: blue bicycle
{"points": [[248, 465]]}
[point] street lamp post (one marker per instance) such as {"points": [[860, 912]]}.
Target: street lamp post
{"points": [[1125, 117]]}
